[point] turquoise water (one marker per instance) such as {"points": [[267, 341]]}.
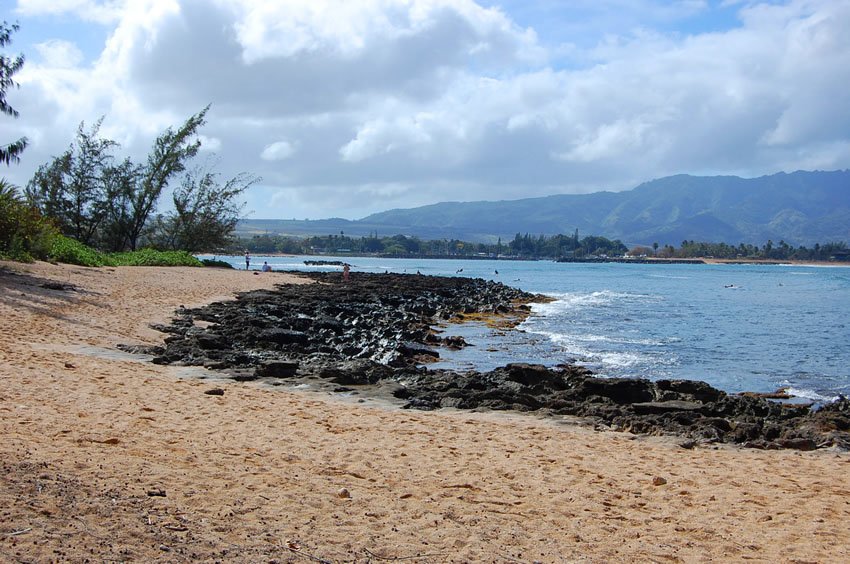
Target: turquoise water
{"points": [[738, 327]]}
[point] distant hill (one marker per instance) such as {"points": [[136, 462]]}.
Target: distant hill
{"points": [[801, 208]]}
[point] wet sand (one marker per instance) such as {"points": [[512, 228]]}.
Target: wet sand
{"points": [[107, 457]]}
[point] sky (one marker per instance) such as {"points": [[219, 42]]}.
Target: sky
{"points": [[350, 107]]}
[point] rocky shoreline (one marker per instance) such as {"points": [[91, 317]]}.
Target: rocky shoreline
{"points": [[376, 334]]}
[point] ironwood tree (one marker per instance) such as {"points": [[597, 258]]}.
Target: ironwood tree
{"points": [[110, 204]]}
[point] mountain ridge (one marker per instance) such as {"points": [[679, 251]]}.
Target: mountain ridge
{"points": [[801, 208]]}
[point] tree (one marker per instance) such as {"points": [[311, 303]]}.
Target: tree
{"points": [[205, 212], [120, 183], [103, 204], [168, 157], [8, 67], [24, 233], [71, 188]]}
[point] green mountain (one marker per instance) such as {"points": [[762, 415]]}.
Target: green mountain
{"points": [[801, 208]]}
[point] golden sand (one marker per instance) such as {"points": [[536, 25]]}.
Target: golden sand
{"points": [[106, 457]]}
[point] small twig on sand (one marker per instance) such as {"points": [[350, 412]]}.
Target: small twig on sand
{"points": [[20, 532], [300, 552], [87, 530], [397, 558]]}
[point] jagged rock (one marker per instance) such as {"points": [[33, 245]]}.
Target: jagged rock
{"points": [[642, 408], [410, 349], [534, 376], [454, 342], [355, 372], [619, 390], [154, 350], [798, 443], [276, 369], [693, 389], [282, 336], [210, 341]]}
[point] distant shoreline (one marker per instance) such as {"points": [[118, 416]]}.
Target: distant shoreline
{"points": [[779, 262], [755, 262], [642, 260], [632, 260]]}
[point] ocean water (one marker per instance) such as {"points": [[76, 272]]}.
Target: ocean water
{"points": [[737, 327]]}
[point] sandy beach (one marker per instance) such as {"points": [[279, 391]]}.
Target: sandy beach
{"points": [[107, 457]]}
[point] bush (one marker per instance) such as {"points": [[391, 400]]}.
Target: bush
{"points": [[24, 233], [71, 251], [152, 257]]}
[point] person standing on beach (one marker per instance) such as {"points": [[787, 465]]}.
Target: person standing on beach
{"points": [[345, 271], [247, 260]]}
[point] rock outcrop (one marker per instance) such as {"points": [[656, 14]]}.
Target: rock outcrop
{"points": [[378, 330]]}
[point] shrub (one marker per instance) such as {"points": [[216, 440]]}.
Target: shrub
{"points": [[24, 233], [71, 251], [152, 257]]}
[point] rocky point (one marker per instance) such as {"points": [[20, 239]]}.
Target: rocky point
{"points": [[380, 330]]}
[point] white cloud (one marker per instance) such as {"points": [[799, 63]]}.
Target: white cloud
{"points": [[210, 144], [278, 151], [89, 10], [404, 102], [349, 29], [609, 140], [57, 53]]}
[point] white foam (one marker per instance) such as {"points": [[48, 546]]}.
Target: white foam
{"points": [[624, 341], [577, 346], [575, 300], [621, 359], [810, 394]]}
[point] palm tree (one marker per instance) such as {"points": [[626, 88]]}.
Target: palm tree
{"points": [[8, 67]]}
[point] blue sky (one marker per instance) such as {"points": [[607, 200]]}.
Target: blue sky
{"points": [[345, 108]]}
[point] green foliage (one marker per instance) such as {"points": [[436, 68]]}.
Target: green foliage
{"points": [[120, 184], [71, 251], [10, 152], [71, 189], [523, 246], [529, 246], [769, 251], [564, 245], [168, 158], [205, 212], [107, 204], [24, 233], [153, 257]]}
